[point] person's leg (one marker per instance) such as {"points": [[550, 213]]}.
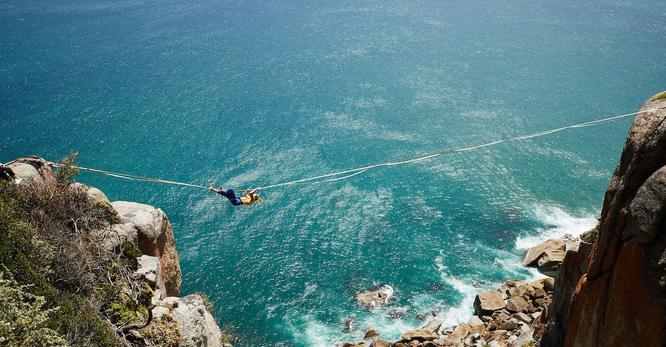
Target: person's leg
{"points": [[232, 196]]}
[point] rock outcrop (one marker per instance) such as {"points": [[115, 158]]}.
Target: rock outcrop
{"points": [[612, 292], [154, 238]]}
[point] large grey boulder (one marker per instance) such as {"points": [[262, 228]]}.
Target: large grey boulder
{"points": [[26, 173], [198, 326], [93, 193]]}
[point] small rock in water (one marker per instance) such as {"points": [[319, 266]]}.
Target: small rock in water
{"points": [[377, 297], [372, 332]]}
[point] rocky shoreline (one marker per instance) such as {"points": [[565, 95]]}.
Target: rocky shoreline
{"points": [[165, 318], [512, 315]]}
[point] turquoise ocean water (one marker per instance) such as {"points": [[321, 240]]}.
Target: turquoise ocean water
{"points": [[244, 93]]}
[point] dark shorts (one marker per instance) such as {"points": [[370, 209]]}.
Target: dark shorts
{"points": [[232, 196]]}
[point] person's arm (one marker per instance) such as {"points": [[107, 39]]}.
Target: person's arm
{"points": [[210, 187]]}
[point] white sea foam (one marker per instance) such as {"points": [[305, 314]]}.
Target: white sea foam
{"points": [[557, 223], [460, 313]]}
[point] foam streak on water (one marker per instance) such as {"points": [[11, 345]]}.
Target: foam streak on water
{"points": [[556, 223]]}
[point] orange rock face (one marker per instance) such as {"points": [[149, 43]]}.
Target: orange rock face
{"points": [[616, 295]]}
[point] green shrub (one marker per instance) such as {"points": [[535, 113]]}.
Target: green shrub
{"points": [[23, 316], [130, 252], [163, 332], [67, 170], [123, 310], [81, 324]]}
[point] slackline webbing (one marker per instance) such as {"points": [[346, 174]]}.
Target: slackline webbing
{"points": [[344, 174]]}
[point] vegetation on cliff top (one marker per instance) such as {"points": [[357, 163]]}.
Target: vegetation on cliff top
{"points": [[59, 286]]}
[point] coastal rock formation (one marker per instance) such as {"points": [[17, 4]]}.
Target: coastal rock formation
{"points": [[611, 292], [155, 238]]}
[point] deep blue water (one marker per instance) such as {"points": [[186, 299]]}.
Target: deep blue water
{"points": [[245, 93]]}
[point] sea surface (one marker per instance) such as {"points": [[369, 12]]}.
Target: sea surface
{"points": [[247, 93]]}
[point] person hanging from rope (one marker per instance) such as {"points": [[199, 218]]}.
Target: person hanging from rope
{"points": [[248, 197]]}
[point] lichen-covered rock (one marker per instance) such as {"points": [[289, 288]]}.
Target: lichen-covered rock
{"points": [[149, 270], [155, 238], [198, 326]]}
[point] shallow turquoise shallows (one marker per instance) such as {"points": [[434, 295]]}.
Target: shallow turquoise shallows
{"points": [[246, 93]]}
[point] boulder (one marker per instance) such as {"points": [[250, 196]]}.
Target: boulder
{"points": [[26, 173], [199, 328], [517, 304], [538, 293], [458, 334], [550, 261], [93, 193], [508, 325], [546, 257], [375, 297], [372, 332], [155, 238], [419, 335], [523, 317], [149, 270], [380, 343], [433, 326], [475, 321], [486, 303], [546, 283]]}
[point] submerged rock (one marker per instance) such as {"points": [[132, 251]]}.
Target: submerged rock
{"points": [[377, 297]]}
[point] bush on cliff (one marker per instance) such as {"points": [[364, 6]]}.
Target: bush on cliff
{"points": [[23, 318], [49, 243]]}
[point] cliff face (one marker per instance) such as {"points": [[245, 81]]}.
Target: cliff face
{"points": [[611, 292]]}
